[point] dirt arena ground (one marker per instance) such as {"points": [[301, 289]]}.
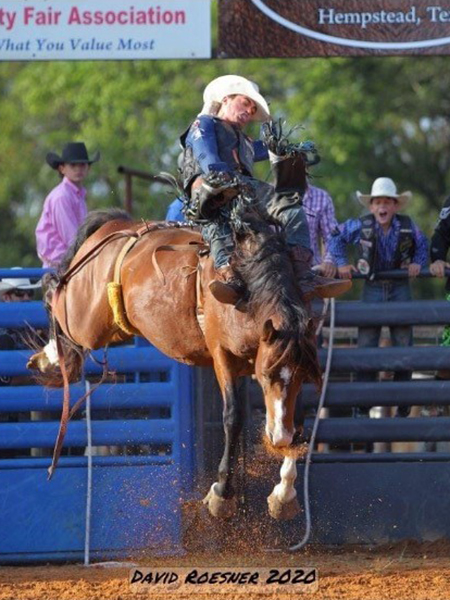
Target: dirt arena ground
{"points": [[405, 571]]}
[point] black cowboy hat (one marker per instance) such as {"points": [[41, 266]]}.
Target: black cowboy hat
{"points": [[74, 152]]}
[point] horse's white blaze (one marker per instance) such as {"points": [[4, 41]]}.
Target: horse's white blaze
{"points": [[280, 435], [285, 490], [51, 352]]}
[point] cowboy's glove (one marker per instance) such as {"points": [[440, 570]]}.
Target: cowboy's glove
{"points": [[218, 181], [220, 185], [279, 145], [212, 192], [272, 136]]}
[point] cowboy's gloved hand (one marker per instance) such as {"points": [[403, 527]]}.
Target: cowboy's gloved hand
{"points": [[272, 136], [218, 181], [211, 192], [278, 143]]}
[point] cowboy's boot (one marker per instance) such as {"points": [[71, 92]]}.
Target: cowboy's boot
{"points": [[311, 284], [227, 287]]}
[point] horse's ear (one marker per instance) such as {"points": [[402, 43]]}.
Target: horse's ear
{"points": [[269, 332]]}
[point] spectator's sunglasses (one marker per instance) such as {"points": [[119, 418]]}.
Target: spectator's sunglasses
{"points": [[23, 293]]}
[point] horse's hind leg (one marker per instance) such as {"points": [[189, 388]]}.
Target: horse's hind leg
{"points": [[221, 499], [283, 503]]}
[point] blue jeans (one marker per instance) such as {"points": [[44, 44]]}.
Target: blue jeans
{"points": [[289, 214], [401, 335]]}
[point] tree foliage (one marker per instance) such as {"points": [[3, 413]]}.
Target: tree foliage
{"points": [[369, 117]]}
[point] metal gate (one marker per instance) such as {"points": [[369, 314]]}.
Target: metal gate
{"points": [[373, 497], [143, 465]]}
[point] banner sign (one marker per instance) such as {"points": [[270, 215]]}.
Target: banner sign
{"points": [[290, 28], [110, 29]]}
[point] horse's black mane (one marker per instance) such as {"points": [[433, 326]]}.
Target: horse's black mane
{"points": [[94, 220], [269, 276], [268, 273]]}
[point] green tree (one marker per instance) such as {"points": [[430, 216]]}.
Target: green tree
{"points": [[369, 117]]}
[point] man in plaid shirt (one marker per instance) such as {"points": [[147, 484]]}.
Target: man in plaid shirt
{"points": [[321, 218]]}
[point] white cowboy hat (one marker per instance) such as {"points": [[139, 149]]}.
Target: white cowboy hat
{"points": [[19, 283], [384, 186], [228, 85]]}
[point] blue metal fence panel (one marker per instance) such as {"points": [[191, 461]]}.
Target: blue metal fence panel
{"points": [[130, 512], [124, 432], [425, 312], [147, 417], [366, 503], [122, 359], [107, 396], [345, 430], [138, 498], [22, 314]]}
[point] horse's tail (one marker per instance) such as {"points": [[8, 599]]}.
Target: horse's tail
{"points": [[46, 360]]}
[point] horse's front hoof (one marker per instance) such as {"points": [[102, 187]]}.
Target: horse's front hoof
{"points": [[283, 511], [221, 508]]}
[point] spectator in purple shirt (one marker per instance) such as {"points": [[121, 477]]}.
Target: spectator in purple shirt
{"points": [[65, 207], [321, 219], [386, 240]]}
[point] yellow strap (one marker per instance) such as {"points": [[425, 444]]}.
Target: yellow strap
{"points": [[121, 256], [114, 290]]}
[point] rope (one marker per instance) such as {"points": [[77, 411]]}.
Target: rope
{"points": [[313, 434], [323, 314], [87, 532]]}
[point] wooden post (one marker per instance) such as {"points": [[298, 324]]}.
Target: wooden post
{"points": [[128, 193]]}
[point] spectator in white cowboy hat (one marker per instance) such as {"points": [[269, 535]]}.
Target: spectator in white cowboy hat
{"points": [[65, 207], [386, 240], [17, 289], [14, 290], [215, 148]]}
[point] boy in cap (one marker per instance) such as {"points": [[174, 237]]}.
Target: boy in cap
{"points": [[216, 147], [386, 240], [65, 207]]}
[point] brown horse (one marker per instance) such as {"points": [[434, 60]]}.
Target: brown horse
{"points": [[164, 282]]}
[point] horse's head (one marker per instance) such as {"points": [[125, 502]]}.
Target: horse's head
{"points": [[287, 353], [280, 368]]}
